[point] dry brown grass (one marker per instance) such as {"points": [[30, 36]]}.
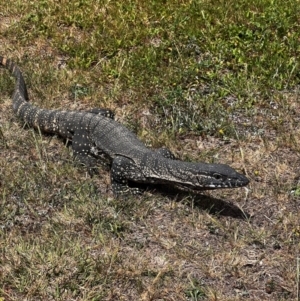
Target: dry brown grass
{"points": [[65, 237]]}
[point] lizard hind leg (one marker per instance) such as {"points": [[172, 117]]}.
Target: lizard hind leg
{"points": [[103, 112], [86, 153], [82, 150]]}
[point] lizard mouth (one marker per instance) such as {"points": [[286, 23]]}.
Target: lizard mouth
{"points": [[211, 186]]}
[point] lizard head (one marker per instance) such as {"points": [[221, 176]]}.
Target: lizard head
{"points": [[205, 176], [218, 176]]}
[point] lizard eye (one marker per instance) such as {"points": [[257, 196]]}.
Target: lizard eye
{"points": [[217, 176]]}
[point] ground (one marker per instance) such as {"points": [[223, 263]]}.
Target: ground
{"points": [[215, 83]]}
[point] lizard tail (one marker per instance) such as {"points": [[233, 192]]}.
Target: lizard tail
{"points": [[27, 112], [16, 72], [46, 120]]}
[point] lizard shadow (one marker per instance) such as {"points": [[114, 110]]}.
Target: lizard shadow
{"points": [[208, 203]]}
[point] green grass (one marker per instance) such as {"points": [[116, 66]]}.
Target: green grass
{"points": [[196, 46], [214, 81]]}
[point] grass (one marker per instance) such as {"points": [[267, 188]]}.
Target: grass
{"points": [[214, 81]]}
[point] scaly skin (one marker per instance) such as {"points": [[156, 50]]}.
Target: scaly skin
{"points": [[96, 136]]}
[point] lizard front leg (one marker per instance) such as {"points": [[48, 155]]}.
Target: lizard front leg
{"points": [[123, 171], [166, 153]]}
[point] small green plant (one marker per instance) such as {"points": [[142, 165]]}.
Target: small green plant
{"points": [[196, 292]]}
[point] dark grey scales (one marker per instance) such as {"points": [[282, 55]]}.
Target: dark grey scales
{"points": [[96, 135]]}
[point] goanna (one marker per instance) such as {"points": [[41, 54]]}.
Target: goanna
{"points": [[96, 135]]}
